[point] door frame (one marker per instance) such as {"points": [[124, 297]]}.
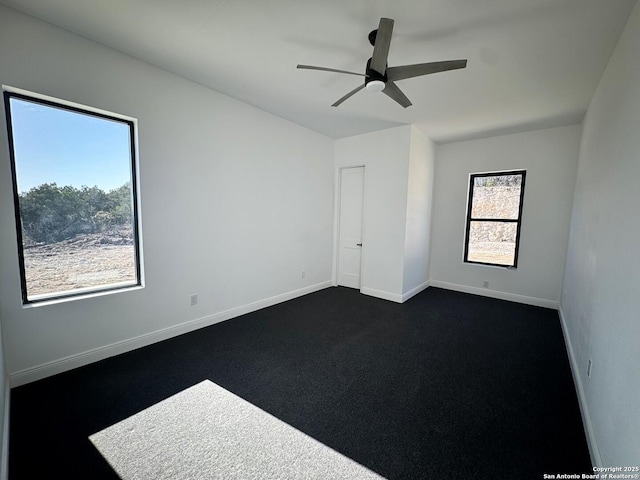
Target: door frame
{"points": [[336, 221]]}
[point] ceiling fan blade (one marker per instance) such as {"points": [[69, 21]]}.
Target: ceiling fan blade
{"points": [[409, 71], [351, 93], [381, 48], [392, 90], [324, 69]]}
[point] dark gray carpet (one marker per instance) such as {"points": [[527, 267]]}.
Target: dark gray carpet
{"points": [[446, 385]]}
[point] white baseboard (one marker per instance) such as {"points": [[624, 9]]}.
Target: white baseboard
{"points": [[394, 297], [594, 451], [512, 297], [4, 460], [414, 291], [84, 358], [372, 292]]}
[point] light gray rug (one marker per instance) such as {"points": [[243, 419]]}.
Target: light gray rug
{"points": [[207, 432]]}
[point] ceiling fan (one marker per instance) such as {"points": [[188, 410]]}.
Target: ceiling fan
{"points": [[378, 77]]}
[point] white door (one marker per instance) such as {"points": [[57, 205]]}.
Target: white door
{"points": [[350, 244]]}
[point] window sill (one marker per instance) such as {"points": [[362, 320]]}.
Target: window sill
{"points": [[82, 296], [500, 267]]}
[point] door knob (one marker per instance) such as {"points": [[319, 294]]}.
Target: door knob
{"points": [[358, 244]]}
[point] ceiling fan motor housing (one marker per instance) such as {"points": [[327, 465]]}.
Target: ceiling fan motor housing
{"points": [[372, 75], [372, 37]]}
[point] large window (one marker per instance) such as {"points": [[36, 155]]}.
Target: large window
{"points": [[494, 214], [74, 182]]}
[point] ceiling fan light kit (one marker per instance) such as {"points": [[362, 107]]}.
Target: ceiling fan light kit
{"points": [[375, 85], [381, 78]]}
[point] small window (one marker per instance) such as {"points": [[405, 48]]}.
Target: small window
{"points": [[75, 196], [494, 214]]}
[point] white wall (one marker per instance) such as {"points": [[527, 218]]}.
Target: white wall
{"points": [[602, 279], [385, 155], [550, 158], [235, 203], [397, 208], [419, 201]]}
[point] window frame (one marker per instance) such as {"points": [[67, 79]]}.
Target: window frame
{"points": [[8, 94], [517, 221]]}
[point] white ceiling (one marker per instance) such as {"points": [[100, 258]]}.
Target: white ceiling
{"points": [[531, 63]]}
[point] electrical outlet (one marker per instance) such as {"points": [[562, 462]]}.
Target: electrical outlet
{"points": [[589, 368], [194, 299], [485, 284], [303, 274]]}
